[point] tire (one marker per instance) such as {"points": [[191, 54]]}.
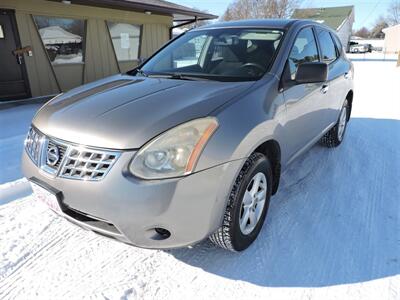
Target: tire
{"points": [[231, 235], [335, 135]]}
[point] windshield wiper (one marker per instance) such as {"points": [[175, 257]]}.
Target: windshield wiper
{"points": [[178, 76]]}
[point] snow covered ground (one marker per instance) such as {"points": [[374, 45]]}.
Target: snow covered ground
{"points": [[374, 55], [14, 124], [332, 232]]}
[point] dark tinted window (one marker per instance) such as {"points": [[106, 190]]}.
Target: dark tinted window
{"points": [[304, 50], [327, 46]]}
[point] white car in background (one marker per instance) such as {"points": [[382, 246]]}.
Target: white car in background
{"points": [[359, 48]]}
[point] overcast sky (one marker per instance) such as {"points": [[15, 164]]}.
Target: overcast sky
{"points": [[366, 12]]}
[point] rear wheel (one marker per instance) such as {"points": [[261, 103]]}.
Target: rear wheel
{"points": [[247, 206], [334, 137]]}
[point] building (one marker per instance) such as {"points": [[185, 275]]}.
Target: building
{"points": [[51, 46], [392, 39], [340, 19]]}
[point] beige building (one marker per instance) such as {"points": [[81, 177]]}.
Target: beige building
{"points": [[47, 47], [392, 39]]}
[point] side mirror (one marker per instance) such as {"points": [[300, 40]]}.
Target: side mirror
{"points": [[311, 72]]}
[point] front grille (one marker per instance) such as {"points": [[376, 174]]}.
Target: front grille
{"points": [[87, 164], [33, 143], [61, 151], [70, 161]]}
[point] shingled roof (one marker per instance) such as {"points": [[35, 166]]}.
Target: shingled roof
{"points": [[330, 16], [178, 12]]}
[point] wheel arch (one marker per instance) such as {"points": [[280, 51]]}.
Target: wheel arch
{"points": [[349, 98], [272, 150]]}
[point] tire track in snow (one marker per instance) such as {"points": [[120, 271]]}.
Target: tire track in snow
{"points": [[56, 249], [39, 252]]}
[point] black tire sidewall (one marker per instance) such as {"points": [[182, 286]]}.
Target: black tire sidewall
{"points": [[239, 240]]}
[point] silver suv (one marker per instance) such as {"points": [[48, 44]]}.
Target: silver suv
{"points": [[191, 144]]}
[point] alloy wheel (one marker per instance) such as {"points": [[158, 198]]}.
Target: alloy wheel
{"points": [[342, 122], [253, 203]]}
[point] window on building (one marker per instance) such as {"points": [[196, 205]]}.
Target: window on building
{"points": [[327, 46], [1, 32], [62, 38], [126, 40], [304, 50]]}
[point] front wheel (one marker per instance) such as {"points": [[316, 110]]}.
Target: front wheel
{"points": [[334, 137], [247, 205]]}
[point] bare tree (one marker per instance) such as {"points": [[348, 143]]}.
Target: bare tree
{"points": [[394, 12], [240, 9], [256, 9], [376, 31], [363, 32], [278, 8]]}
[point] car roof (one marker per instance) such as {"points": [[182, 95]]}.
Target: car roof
{"points": [[269, 23]]}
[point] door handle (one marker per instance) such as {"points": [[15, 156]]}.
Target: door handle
{"points": [[324, 89], [346, 75], [19, 59]]}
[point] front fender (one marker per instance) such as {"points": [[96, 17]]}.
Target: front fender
{"points": [[244, 125]]}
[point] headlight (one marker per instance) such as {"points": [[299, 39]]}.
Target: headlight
{"points": [[175, 152]]}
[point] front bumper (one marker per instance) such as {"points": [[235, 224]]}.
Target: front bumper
{"points": [[128, 209]]}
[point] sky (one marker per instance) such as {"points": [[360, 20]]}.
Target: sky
{"points": [[366, 12]]}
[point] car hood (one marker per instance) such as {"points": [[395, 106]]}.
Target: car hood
{"points": [[124, 112]]}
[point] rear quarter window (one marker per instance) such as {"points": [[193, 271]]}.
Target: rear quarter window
{"points": [[339, 44]]}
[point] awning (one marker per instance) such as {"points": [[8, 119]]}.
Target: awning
{"points": [[180, 13]]}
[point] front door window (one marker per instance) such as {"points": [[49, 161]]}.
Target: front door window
{"points": [[304, 50]]}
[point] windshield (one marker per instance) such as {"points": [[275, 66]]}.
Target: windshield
{"points": [[226, 54]]}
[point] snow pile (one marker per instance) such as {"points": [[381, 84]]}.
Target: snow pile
{"points": [[14, 190], [332, 231]]}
